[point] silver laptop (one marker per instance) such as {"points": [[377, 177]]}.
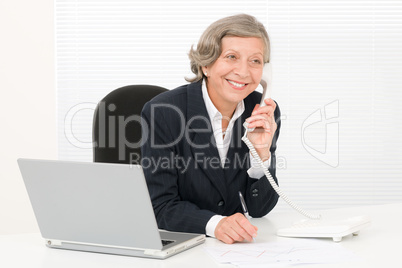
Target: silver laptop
{"points": [[98, 207]]}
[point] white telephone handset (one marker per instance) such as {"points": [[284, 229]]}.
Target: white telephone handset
{"points": [[266, 83]]}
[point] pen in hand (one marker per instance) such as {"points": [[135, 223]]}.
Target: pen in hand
{"points": [[244, 207]]}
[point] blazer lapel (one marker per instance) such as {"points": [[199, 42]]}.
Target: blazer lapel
{"points": [[238, 152], [200, 134]]}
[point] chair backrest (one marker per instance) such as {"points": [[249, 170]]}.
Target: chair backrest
{"points": [[117, 124]]}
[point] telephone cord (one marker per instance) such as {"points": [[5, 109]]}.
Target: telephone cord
{"points": [[272, 181]]}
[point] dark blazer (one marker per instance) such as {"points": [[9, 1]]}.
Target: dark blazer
{"points": [[186, 181]]}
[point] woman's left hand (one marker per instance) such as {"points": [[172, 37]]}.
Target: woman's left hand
{"points": [[263, 120]]}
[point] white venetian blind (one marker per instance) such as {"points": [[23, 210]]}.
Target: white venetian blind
{"points": [[337, 70]]}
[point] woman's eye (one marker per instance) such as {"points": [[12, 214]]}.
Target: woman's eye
{"points": [[232, 57], [256, 61]]}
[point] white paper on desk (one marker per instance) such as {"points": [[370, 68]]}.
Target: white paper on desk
{"points": [[295, 251]]}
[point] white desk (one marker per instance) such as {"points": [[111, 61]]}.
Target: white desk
{"points": [[377, 245]]}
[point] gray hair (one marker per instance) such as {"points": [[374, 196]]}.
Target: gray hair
{"points": [[209, 46]]}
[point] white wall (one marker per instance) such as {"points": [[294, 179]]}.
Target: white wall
{"points": [[27, 109]]}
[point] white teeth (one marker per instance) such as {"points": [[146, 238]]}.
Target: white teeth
{"points": [[236, 84]]}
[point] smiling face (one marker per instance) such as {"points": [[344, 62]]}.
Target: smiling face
{"points": [[236, 73]]}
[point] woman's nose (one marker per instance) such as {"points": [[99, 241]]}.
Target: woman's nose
{"points": [[242, 69]]}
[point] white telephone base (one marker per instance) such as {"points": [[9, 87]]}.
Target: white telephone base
{"points": [[335, 229]]}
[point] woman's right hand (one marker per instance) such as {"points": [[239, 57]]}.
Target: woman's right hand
{"points": [[235, 228]]}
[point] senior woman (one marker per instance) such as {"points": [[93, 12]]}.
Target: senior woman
{"points": [[196, 161]]}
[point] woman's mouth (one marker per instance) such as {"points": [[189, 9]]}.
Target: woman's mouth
{"points": [[236, 85]]}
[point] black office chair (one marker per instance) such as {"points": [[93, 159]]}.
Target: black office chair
{"points": [[117, 124]]}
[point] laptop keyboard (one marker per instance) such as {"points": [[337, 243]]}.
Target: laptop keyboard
{"points": [[166, 242]]}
